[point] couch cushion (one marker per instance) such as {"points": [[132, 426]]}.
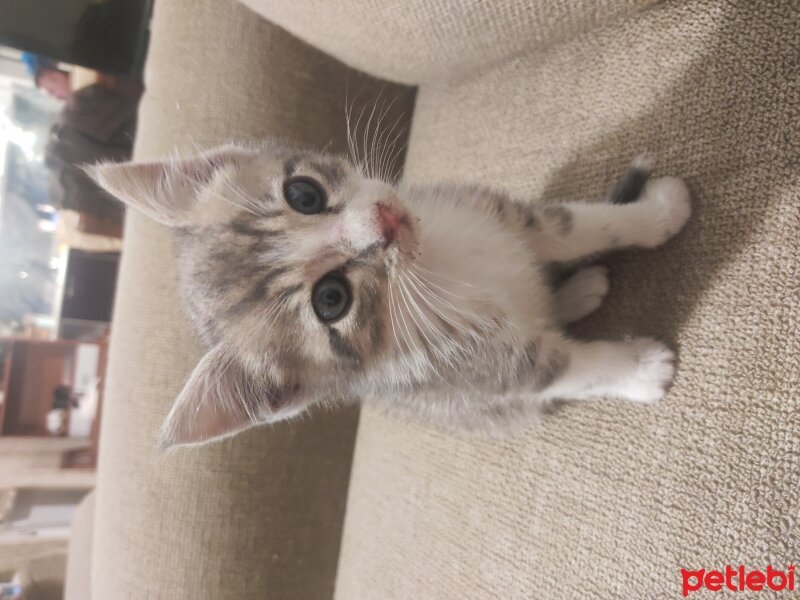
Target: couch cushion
{"points": [[606, 499], [427, 40], [77, 585], [260, 515]]}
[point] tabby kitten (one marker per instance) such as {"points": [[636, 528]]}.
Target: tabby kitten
{"points": [[311, 282]]}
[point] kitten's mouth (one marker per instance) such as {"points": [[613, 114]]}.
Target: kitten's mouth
{"points": [[394, 223]]}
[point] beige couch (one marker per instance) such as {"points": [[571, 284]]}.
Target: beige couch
{"points": [[547, 99]]}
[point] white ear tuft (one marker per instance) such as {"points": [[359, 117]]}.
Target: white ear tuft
{"points": [[165, 190]]}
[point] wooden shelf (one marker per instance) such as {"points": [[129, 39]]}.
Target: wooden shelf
{"points": [[34, 369]]}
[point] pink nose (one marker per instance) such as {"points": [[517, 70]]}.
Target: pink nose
{"points": [[389, 220]]}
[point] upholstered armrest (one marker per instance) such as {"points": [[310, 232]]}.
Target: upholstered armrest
{"points": [[259, 515]]}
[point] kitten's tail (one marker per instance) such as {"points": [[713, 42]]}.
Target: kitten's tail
{"points": [[629, 187]]}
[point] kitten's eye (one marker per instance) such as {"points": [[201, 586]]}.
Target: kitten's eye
{"points": [[304, 195], [331, 297]]}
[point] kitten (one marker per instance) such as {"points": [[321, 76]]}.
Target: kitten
{"points": [[311, 282]]}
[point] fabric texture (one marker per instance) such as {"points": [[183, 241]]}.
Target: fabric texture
{"points": [[421, 41], [609, 500], [77, 584], [547, 100], [258, 516]]}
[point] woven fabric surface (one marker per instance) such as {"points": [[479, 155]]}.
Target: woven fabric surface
{"points": [[608, 500], [420, 41], [258, 516], [78, 576]]}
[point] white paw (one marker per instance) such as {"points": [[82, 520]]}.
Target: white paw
{"points": [[667, 199], [655, 368], [582, 293]]}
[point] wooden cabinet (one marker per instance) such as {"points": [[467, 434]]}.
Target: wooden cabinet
{"points": [[32, 370], [35, 368]]}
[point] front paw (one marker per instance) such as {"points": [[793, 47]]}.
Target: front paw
{"points": [[666, 200], [582, 293], [653, 371]]}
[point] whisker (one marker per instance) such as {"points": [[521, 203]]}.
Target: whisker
{"points": [[406, 299], [465, 327], [375, 140], [419, 267], [391, 154], [474, 328], [388, 141], [435, 331], [391, 314], [370, 168], [236, 204], [359, 162], [351, 145], [407, 333], [425, 285], [241, 194], [430, 363], [382, 138]]}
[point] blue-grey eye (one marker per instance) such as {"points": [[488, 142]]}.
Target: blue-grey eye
{"points": [[331, 297], [304, 195]]}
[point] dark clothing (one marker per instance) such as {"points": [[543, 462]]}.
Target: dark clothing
{"points": [[96, 124]]}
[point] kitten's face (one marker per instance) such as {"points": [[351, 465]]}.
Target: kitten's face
{"points": [[293, 264], [285, 262]]}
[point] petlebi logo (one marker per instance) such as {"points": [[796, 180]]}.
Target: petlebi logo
{"points": [[739, 579]]}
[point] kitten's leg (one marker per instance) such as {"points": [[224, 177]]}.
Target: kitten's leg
{"points": [[638, 370], [581, 294], [571, 230]]}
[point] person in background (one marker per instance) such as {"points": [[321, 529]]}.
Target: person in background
{"points": [[47, 76], [97, 123]]}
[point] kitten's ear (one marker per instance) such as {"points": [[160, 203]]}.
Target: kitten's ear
{"points": [[167, 190], [221, 398]]}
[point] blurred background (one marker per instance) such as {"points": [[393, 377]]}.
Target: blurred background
{"points": [[70, 83]]}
